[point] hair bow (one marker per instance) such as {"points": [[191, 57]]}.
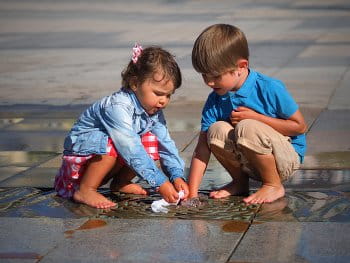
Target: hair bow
{"points": [[136, 52]]}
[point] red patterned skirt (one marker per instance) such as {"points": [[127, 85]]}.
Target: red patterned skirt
{"points": [[68, 178]]}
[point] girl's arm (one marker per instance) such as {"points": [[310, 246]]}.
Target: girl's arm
{"points": [[199, 164], [117, 119], [170, 160], [294, 125]]}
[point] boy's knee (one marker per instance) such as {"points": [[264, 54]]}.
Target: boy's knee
{"points": [[254, 135], [220, 134], [248, 129]]}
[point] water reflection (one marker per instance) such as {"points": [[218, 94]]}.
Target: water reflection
{"points": [[326, 206], [327, 160], [8, 122], [305, 206]]}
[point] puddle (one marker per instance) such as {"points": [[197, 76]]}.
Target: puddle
{"points": [[19, 255], [90, 224], [298, 206], [315, 206], [235, 226], [33, 202], [231, 208]]}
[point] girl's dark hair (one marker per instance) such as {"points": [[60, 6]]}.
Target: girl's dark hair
{"points": [[152, 60], [218, 48]]}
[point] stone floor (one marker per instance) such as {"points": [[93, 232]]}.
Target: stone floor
{"points": [[58, 57]]}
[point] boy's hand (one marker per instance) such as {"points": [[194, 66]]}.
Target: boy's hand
{"points": [[242, 113], [180, 184], [168, 192]]}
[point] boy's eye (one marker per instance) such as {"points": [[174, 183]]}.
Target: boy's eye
{"points": [[210, 77]]}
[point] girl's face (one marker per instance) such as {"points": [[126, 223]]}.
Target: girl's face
{"points": [[154, 93]]}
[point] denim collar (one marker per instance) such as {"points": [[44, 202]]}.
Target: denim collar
{"points": [[138, 107]]}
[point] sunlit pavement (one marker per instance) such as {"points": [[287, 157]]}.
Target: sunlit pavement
{"points": [[58, 57]]}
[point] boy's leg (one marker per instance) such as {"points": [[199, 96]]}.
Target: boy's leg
{"points": [[269, 154], [221, 143], [271, 188], [122, 182], [97, 169]]}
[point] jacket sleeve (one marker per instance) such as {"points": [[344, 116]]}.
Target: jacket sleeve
{"points": [[170, 160]]}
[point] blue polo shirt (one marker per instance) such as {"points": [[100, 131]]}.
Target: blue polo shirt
{"points": [[260, 93]]}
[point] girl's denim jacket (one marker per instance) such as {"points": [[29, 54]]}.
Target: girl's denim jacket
{"points": [[121, 117]]}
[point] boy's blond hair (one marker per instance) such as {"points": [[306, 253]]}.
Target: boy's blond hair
{"points": [[218, 48]]}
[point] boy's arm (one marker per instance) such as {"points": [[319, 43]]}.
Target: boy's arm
{"points": [[199, 164], [292, 126]]}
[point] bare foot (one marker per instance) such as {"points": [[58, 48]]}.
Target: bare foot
{"points": [[129, 189], [230, 189], [92, 198], [266, 194]]}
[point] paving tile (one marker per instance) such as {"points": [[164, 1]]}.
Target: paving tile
{"points": [[8, 171], [23, 158], [31, 124], [52, 163], [339, 100], [30, 239], [330, 133], [34, 177], [326, 50], [32, 141], [294, 242], [147, 241]]}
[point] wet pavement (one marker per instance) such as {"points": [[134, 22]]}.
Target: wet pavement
{"points": [[57, 58]]}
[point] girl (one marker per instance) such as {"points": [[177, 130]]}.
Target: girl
{"points": [[121, 135]]}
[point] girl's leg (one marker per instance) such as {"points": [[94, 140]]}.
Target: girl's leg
{"points": [[97, 169], [122, 182], [220, 140]]}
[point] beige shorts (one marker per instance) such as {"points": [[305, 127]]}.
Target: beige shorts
{"points": [[257, 137]]}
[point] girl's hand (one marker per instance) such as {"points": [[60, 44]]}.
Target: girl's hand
{"points": [[242, 113], [180, 184], [168, 192]]}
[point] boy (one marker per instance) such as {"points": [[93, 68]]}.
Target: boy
{"points": [[250, 122]]}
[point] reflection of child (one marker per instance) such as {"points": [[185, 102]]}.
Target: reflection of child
{"points": [[250, 122], [118, 136]]}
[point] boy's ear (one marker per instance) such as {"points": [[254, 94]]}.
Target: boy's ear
{"points": [[242, 63]]}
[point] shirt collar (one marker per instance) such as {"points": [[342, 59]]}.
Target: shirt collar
{"points": [[248, 84], [138, 108]]}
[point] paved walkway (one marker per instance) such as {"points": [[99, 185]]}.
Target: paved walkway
{"points": [[58, 57]]}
